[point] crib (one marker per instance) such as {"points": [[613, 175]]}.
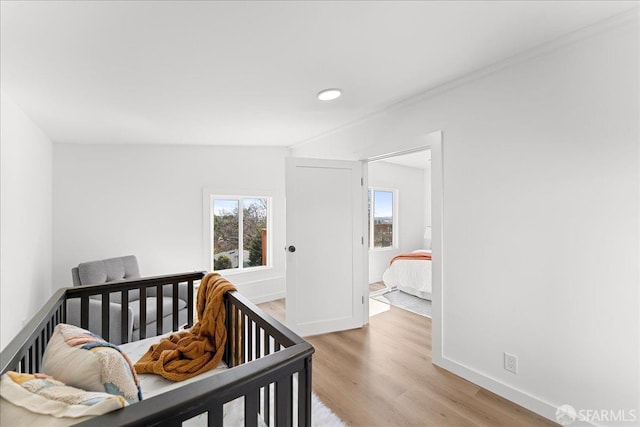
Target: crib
{"points": [[270, 366]]}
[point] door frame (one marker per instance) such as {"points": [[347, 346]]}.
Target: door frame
{"points": [[434, 142]]}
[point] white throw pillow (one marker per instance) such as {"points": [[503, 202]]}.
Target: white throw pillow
{"points": [[81, 359], [41, 394]]}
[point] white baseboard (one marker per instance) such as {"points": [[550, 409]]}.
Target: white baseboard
{"points": [[532, 403], [262, 290], [266, 298]]}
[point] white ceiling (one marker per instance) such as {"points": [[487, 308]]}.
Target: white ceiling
{"points": [[246, 73]]}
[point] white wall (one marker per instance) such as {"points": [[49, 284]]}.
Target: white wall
{"points": [[541, 218], [411, 193], [112, 200], [25, 211]]}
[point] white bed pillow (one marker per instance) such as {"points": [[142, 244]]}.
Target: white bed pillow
{"points": [[422, 251]]}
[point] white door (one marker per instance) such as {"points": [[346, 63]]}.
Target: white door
{"points": [[324, 245]]}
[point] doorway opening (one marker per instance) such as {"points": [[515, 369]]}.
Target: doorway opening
{"points": [[430, 236], [399, 230]]}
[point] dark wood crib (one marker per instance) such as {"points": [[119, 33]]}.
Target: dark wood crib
{"points": [[269, 364]]}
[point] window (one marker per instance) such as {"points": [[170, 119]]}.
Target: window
{"points": [[382, 219], [240, 232]]}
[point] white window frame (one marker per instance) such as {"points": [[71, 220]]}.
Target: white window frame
{"points": [[208, 197], [394, 224]]}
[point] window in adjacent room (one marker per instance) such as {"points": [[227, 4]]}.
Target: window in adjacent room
{"points": [[382, 218], [240, 232]]}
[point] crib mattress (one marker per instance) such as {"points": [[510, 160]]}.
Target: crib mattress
{"points": [[153, 385]]}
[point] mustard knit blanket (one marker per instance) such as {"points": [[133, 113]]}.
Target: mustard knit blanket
{"points": [[186, 354]]}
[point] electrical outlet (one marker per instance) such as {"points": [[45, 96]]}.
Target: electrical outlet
{"points": [[511, 362]]}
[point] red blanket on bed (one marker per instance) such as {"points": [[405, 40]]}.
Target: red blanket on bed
{"points": [[418, 256]]}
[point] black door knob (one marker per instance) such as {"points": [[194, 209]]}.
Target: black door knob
{"points": [[291, 248]]}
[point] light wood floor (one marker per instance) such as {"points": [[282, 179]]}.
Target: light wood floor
{"points": [[382, 375], [376, 286]]}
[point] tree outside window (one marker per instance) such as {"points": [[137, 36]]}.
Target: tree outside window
{"points": [[239, 240], [381, 218]]}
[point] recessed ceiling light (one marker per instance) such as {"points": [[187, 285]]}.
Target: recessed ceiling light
{"points": [[329, 94]]}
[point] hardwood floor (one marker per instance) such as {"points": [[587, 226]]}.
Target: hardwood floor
{"points": [[382, 375], [376, 286]]}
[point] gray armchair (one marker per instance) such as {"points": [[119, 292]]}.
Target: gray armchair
{"points": [[116, 269]]}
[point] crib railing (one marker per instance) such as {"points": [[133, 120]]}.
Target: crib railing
{"points": [[122, 288], [253, 335], [24, 353], [270, 365]]}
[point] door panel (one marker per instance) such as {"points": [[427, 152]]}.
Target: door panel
{"points": [[324, 273]]}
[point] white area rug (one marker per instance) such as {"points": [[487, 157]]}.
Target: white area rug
{"points": [[406, 301], [321, 415]]}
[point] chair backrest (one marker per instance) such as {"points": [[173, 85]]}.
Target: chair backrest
{"points": [[106, 270]]}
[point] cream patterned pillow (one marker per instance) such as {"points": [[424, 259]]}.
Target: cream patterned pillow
{"points": [[42, 394], [81, 359]]}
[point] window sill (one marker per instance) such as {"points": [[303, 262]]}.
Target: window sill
{"points": [[235, 271]]}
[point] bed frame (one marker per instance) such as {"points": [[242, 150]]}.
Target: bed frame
{"points": [[264, 357]]}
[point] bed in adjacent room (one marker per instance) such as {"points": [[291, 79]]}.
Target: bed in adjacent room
{"points": [[410, 273]]}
